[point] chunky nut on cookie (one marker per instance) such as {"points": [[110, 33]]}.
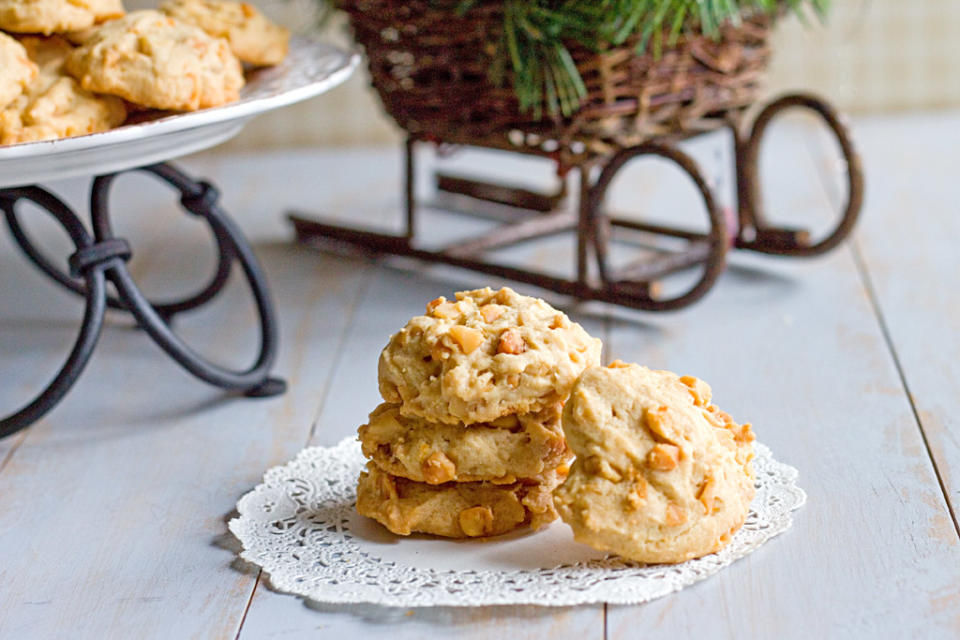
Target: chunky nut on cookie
{"points": [[445, 310], [676, 515], [708, 494], [491, 312], [657, 421], [477, 521], [468, 339], [637, 495], [699, 389], [511, 342], [438, 468], [433, 304], [663, 457]]}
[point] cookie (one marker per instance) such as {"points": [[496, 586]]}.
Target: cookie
{"points": [[661, 474], [16, 70], [80, 36], [456, 509], [156, 61], [48, 53], [510, 448], [54, 105], [252, 36], [486, 355], [56, 16]]}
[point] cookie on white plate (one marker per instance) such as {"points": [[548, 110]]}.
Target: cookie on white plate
{"points": [[56, 16], [18, 69], [156, 61], [253, 37], [54, 105]]}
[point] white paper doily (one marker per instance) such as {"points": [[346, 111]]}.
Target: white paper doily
{"points": [[301, 527]]}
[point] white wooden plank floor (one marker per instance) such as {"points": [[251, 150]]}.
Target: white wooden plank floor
{"points": [[113, 508]]}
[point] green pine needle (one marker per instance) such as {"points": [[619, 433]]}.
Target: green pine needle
{"points": [[536, 33]]}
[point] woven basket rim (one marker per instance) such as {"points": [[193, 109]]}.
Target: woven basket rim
{"points": [[433, 79]]}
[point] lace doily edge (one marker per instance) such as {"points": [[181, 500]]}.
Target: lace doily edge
{"points": [[616, 596]]}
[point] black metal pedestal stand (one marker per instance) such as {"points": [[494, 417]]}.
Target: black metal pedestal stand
{"points": [[102, 257]]}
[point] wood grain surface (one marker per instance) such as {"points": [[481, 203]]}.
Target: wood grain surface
{"points": [[113, 509]]}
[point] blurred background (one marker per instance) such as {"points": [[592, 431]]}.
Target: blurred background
{"points": [[871, 56]]}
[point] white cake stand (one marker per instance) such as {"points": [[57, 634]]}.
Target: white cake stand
{"points": [[310, 69]]}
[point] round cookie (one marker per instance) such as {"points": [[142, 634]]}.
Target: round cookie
{"points": [[17, 70], [456, 509], [54, 105], [512, 447], [252, 36], [48, 53], [661, 474], [486, 355], [56, 16], [156, 61]]}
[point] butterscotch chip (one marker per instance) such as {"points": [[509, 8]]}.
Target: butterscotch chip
{"points": [[659, 424], [491, 312], [433, 304], [708, 495], [16, 70], [637, 494], [476, 521], [477, 382], [440, 308], [56, 16], [157, 61], [455, 509], [438, 468], [675, 515], [54, 105], [511, 342], [468, 339], [659, 477], [663, 457], [253, 38], [513, 447], [699, 389]]}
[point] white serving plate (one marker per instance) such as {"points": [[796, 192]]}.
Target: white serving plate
{"points": [[310, 69]]}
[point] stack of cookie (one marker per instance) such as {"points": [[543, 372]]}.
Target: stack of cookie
{"points": [[469, 441], [75, 67]]}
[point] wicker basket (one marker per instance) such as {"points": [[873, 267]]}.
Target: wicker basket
{"points": [[430, 67]]}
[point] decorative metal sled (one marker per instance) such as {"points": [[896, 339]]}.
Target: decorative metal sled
{"points": [[635, 284]]}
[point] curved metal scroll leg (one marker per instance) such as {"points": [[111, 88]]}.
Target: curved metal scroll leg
{"points": [[92, 273], [755, 234], [167, 310], [200, 199], [636, 283], [103, 257]]}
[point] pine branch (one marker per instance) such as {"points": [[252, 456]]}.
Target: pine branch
{"points": [[536, 33]]}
